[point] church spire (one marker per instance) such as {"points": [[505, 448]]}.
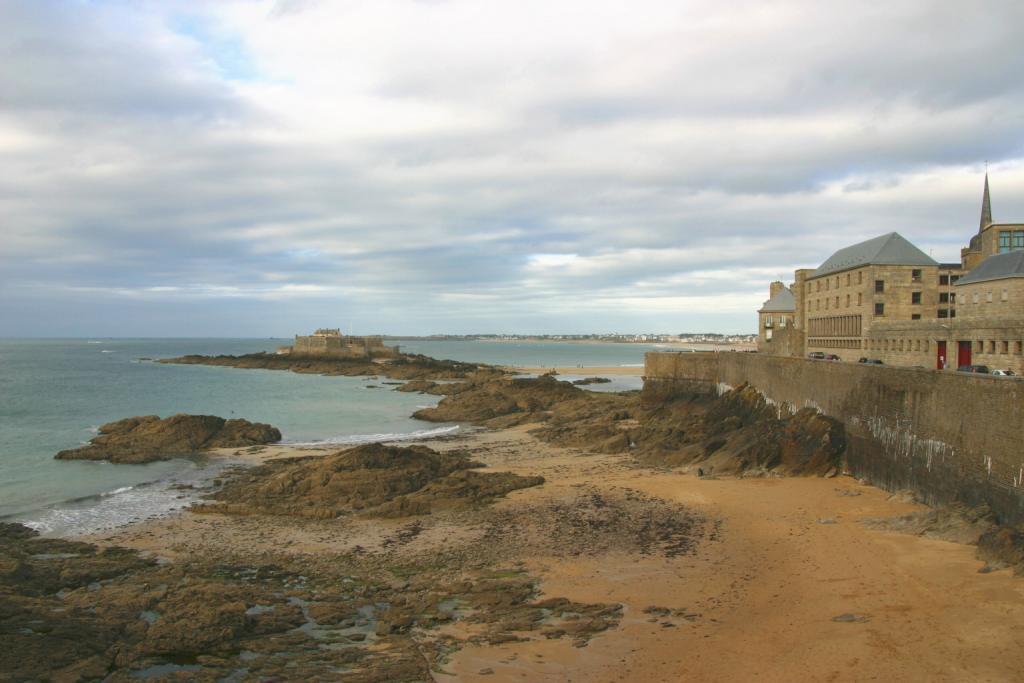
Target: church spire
{"points": [[986, 208]]}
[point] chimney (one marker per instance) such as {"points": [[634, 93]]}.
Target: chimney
{"points": [[775, 288]]}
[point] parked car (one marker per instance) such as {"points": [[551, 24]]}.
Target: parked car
{"points": [[818, 355], [1003, 373], [832, 356], [975, 369], [870, 361]]}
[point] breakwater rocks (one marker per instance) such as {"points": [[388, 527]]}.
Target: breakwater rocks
{"points": [[738, 433], [70, 611], [407, 367], [137, 440], [373, 480]]}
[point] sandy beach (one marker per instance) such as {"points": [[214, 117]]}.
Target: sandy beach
{"points": [[781, 583]]}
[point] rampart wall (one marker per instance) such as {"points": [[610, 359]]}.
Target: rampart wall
{"points": [[947, 436]]}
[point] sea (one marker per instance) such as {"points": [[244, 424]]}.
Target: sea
{"points": [[55, 393]]}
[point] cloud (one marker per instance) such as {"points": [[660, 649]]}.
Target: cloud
{"points": [[445, 166]]}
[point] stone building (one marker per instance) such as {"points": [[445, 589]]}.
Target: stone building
{"points": [[332, 342], [776, 328], [884, 298]]}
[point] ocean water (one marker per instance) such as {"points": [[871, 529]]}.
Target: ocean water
{"points": [[55, 393]]}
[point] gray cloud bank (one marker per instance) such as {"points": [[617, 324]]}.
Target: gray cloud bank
{"points": [[254, 169]]}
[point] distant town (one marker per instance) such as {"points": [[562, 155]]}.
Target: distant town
{"points": [[614, 337]]}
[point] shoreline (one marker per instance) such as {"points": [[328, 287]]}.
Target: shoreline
{"points": [[583, 372], [787, 584]]}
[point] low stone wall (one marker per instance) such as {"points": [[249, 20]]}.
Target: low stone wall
{"points": [[947, 436]]}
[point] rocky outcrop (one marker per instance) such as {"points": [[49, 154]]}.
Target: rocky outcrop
{"points": [[146, 439], [515, 401], [373, 480], [70, 611], [591, 380], [738, 433], [407, 367]]}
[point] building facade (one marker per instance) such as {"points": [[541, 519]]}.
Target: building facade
{"points": [[886, 299], [331, 342]]}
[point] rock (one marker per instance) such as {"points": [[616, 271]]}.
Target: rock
{"points": [[1003, 547], [591, 380], [146, 439], [848, 618], [407, 366], [373, 480]]}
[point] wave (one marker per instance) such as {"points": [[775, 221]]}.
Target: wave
{"points": [[354, 439], [125, 504]]}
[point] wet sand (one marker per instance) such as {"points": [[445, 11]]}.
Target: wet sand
{"points": [[758, 598]]}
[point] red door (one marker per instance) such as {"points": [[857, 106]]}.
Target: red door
{"points": [[940, 355], [963, 354]]}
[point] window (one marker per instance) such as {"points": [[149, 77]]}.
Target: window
{"points": [[879, 286], [1004, 347], [943, 280], [848, 300], [991, 347], [1005, 296], [847, 279], [859, 299], [1018, 348], [943, 313], [879, 309], [976, 297], [828, 283], [953, 279], [915, 316], [943, 297], [979, 346], [988, 296], [915, 297], [952, 313], [837, 302], [952, 297], [819, 285], [915, 275], [860, 277], [1011, 240]]}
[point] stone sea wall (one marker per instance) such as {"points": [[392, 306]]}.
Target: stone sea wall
{"points": [[947, 436]]}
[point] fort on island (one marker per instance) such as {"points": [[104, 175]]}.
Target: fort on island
{"points": [[331, 342], [886, 299]]}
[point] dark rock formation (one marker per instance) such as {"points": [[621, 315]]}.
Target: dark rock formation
{"points": [[518, 400], [408, 366], [145, 439], [70, 611], [737, 433], [373, 480], [591, 380]]}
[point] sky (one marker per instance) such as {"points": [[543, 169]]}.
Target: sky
{"points": [[263, 168]]}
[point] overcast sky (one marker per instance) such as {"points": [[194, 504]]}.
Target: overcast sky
{"points": [[415, 167]]}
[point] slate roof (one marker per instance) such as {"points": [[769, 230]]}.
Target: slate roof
{"points": [[782, 302], [891, 249], [996, 267]]}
